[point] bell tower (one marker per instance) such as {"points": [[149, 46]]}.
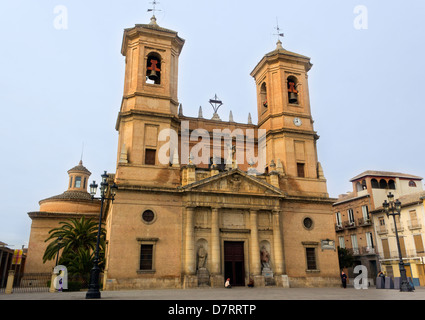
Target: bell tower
{"points": [[149, 104], [283, 107]]}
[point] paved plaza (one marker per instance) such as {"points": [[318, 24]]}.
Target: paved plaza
{"points": [[242, 302], [233, 294]]}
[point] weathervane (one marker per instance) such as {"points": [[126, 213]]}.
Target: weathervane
{"points": [[153, 3], [278, 34], [216, 103]]}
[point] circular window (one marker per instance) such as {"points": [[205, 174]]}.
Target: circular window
{"points": [[148, 216], [308, 223]]}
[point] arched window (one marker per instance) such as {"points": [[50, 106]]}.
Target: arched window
{"points": [[263, 95], [391, 184], [358, 186], [412, 183], [153, 69], [375, 184], [383, 184], [292, 90], [77, 182]]}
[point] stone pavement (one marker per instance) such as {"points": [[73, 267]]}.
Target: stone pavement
{"points": [[234, 294], [242, 302]]}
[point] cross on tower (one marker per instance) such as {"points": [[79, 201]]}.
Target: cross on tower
{"points": [[278, 34], [153, 3]]}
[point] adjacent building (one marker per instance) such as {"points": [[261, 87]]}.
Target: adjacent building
{"points": [[363, 228], [411, 231]]}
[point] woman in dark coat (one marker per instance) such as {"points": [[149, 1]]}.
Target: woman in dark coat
{"points": [[344, 279]]}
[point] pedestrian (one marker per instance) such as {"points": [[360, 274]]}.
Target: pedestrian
{"points": [[227, 284], [344, 279], [251, 283]]}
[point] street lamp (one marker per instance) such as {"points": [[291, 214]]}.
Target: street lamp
{"points": [[59, 242], [93, 292], [393, 208]]}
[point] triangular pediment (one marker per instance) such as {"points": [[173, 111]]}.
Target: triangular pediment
{"points": [[235, 182]]}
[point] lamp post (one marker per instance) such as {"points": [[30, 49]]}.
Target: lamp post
{"points": [[393, 208], [59, 243], [93, 292]]}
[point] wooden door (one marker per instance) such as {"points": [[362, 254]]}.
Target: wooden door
{"points": [[234, 262]]}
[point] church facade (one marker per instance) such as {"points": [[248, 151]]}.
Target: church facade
{"points": [[202, 200]]}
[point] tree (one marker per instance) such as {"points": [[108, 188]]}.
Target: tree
{"points": [[78, 242], [346, 259]]}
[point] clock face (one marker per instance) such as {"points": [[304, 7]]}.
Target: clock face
{"points": [[297, 122]]}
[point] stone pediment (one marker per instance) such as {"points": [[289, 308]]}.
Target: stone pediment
{"points": [[235, 182]]}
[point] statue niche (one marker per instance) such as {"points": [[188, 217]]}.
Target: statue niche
{"points": [[202, 271], [202, 257], [266, 270], [265, 258]]}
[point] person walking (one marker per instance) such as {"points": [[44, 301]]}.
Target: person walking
{"points": [[344, 279]]}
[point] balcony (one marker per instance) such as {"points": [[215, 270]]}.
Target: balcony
{"points": [[349, 224], [381, 229], [406, 254], [354, 251], [364, 222], [414, 224], [367, 250], [338, 227], [400, 227]]}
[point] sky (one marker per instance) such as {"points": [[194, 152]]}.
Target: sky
{"points": [[62, 76]]}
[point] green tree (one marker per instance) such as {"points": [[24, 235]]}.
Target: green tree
{"points": [[77, 242], [346, 259]]}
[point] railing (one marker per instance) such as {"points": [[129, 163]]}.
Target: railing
{"points": [[414, 224], [367, 250], [349, 224], [338, 227], [407, 254], [381, 229], [399, 227], [364, 222], [31, 282], [354, 251]]}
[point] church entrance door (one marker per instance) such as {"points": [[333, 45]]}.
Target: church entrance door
{"points": [[234, 262]]}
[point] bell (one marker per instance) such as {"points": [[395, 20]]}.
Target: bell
{"points": [[293, 97], [152, 75]]}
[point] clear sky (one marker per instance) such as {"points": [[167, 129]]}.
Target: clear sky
{"points": [[61, 88]]}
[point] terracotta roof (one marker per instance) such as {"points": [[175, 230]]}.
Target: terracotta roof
{"points": [[80, 168], [349, 197], [385, 174], [408, 199], [286, 52], [70, 195]]}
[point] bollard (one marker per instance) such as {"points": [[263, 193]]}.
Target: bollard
{"points": [[10, 279]]}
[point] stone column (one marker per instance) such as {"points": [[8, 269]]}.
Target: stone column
{"points": [[190, 262], [277, 242], [216, 276], [215, 242], [255, 248]]}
